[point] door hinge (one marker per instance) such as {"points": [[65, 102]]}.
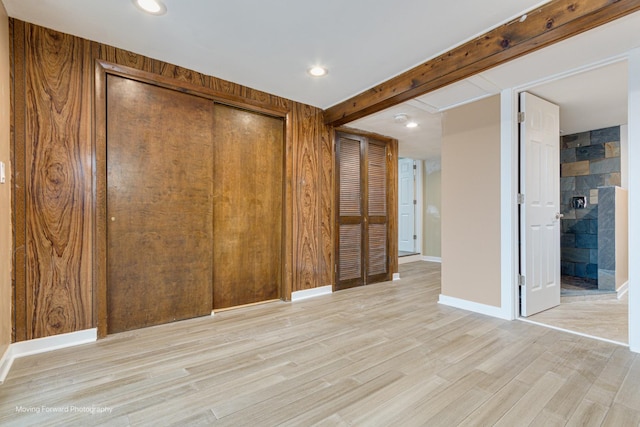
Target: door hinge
{"points": [[415, 237], [335, 270], [521, 117], [521, 280], [415, 202], [520, 198]]}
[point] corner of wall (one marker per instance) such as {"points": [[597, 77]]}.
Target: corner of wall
{"points": [[5, 188]]}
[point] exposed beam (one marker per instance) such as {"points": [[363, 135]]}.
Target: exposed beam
{"points": [[544, 26]]}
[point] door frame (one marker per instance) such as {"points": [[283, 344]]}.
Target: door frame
{"points": [[392, 199], [99, 150], [510, 177]]}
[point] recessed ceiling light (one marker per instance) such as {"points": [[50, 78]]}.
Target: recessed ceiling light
{"points": [[318, 71], [412, 125], [154, 7]]}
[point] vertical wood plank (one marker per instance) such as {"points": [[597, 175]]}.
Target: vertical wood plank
{"points": [[306, 202], [58, 208], [326, 206], [18, 211], [392, 204]]}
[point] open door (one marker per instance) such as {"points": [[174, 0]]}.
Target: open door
{"points": [[539, 209], [406, 206]]}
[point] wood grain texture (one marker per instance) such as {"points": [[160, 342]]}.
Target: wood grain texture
{"points": [[327, 191], [247, 207], [382, 355], [126, 58], [551, 23], [58, 189], [67, 67], [312, 201], [183, 74], [160, 205], [392, 203], [18, 180]]}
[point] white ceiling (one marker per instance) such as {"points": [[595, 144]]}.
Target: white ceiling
{"points": [[270, 45]]}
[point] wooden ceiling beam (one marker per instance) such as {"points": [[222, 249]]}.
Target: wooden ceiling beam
{"points": [[544, 26]]}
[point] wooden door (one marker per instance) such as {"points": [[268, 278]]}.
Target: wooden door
{"points": [[540, 212], [247, 207], [159, 205], [362, 211]]}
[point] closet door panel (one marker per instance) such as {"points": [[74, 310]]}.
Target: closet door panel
{"points": [[159, 205], [350, 220], [248, 176]]}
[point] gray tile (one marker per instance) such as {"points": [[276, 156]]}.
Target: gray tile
{"points": [[581, 270], [588, 241], [567, 225], [590, 212], [606, 279], [567, 240], [588, 182], [567, 268], [606, 250], [568, 183], [606, 206], [592, 271], [576, 140], [603, 166], [576, 255], [568, 155], [590, 152], [600, 136], [593, 256], [593, 226]]}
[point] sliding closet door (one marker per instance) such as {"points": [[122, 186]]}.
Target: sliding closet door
{"points": [[362, 221], [159, 205], [248, 174]]}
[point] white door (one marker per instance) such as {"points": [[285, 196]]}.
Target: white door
{"points": [[407, 213], [540, 211]]}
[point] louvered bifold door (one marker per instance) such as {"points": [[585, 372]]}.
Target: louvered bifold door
{"points": [[350, 215], [377, 265]]}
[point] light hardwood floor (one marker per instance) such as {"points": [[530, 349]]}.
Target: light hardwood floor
{"points": [[386, 355], [602, 318]]}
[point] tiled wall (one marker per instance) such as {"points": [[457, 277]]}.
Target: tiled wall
{"points": [[588, 160]]}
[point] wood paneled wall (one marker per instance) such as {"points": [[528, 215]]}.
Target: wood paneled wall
{"points": [[54, 177]]}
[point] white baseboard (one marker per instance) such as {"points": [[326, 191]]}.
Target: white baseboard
{"points": [[43, 345], [310, 293], [476, 307], [396, 276], [622, 290], [432, 259], [410, 258], [5, 364]]}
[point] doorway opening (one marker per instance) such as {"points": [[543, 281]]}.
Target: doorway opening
{"points": [[593, 236], [407, 208]]}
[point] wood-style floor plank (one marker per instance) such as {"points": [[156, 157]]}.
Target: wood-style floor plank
{"points": [[380, 355]]}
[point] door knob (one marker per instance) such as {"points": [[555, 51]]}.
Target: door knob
{"points": [[113, 218], [559, 215]]}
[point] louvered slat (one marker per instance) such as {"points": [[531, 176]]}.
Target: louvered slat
{"points": [[377, 249], [349, 177], [377, 180], [350, 252]]}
